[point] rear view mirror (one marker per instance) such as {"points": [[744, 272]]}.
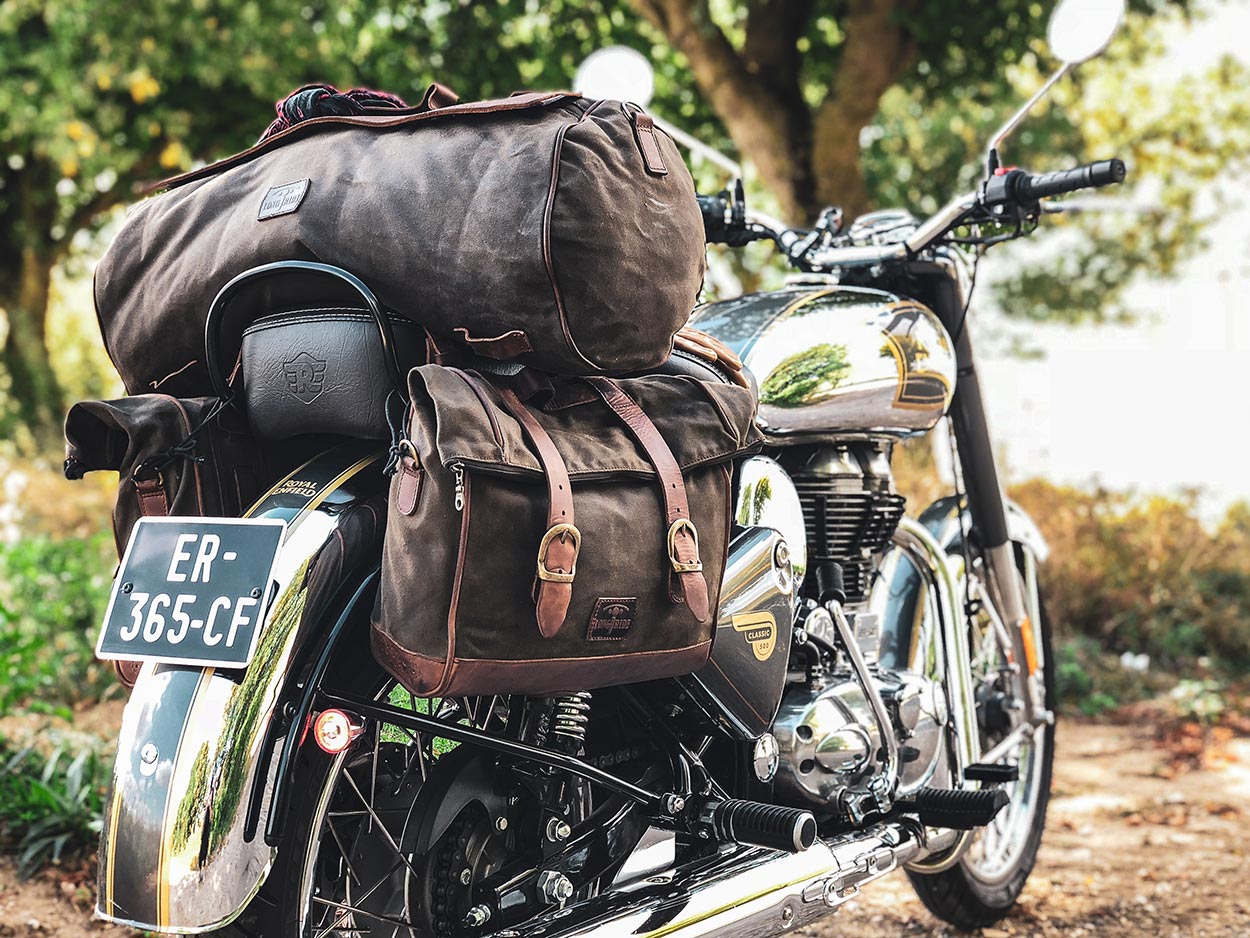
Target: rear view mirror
{"points": [[1080, 29], [616, 72]]}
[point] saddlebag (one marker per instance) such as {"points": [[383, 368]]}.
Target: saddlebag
{"points": [[547, 228], [173, 457], [571, 542]]}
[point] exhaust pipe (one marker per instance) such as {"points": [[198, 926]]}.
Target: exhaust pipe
{"points": [[743, 892]]}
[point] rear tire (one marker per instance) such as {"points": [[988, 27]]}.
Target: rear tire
{"points": [[961, 897]]}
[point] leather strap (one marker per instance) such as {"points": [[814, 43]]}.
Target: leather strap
{"points": [[153, 502], [687, 583], [557, 552]]}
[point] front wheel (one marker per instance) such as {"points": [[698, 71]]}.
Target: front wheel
{"points": [[986, 882]]}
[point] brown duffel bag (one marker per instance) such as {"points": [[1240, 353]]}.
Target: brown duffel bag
{"points": [[547, 228], [536, 550]]}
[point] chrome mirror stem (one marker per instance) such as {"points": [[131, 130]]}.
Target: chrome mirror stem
{"points": [[991, 154]]}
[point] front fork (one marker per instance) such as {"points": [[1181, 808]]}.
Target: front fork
{"points": [[987, 507]]}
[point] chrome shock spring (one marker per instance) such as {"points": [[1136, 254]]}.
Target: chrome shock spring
{"points": [[569, 720]]}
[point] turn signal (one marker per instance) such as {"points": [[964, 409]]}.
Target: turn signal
{"points": [[333, 731]]}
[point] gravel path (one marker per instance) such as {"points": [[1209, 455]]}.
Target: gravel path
{"points": [[1129, 852]]}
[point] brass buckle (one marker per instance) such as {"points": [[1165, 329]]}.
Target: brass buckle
{"points": [[558, 530], [684, 524]]}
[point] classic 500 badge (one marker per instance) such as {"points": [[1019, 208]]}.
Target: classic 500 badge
{"points": [[760, 631]]}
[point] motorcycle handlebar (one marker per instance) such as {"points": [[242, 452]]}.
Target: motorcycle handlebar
{"points": [[1032, 188]]}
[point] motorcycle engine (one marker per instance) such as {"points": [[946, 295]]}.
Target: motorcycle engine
{"points": [[850, 507], [829, 741]]}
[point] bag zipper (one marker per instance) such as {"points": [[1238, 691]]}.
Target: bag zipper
{"points": [[458, 470]]}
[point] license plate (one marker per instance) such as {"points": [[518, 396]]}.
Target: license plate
{"points": [[192, 591]]}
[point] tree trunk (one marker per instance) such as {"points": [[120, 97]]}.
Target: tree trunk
{"points": [[35, 394], [808, 159]]}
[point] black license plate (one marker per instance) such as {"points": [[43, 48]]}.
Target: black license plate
{"points": [[192, 591]]}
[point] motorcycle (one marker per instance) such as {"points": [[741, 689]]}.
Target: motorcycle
{"points": [[880, 694]]}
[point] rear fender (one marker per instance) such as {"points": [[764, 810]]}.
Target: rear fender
{"points": [[196, 757]]}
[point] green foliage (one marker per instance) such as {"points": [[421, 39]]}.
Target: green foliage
{"points": [[50, 806], [52, 598], [1180, 132]]}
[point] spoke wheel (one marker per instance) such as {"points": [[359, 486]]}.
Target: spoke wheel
{"points": [[990, 875], [359, 876]]}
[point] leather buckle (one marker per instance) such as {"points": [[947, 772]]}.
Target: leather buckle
{"points": [[558, 530], [695, 566]]}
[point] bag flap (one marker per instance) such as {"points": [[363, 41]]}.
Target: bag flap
{"points": [[702, 423], [117, 435]]}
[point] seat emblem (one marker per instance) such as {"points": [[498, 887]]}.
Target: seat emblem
{"points": [[305, 376]]}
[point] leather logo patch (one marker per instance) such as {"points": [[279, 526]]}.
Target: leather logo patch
{"points": [[760, 631], [283, 200], [611, 619], [305, 376]]}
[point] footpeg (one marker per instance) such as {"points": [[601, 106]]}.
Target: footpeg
{"points": [[760, 825], [991, 774], [958, 810]]}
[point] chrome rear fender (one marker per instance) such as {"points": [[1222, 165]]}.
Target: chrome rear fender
{"points": [[174, 852]]}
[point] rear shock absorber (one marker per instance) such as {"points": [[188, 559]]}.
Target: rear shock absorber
{"points": [[569, 719]]}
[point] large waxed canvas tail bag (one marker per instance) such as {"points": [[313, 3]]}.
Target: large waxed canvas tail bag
{"points": [[543, 549], [545, 228]]}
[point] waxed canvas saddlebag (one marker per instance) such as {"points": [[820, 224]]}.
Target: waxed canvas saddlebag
{"points": [[549, 229], [166, 467], [542, 549]]}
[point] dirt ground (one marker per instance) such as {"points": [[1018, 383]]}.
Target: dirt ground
{"points": [[1134, 848]]}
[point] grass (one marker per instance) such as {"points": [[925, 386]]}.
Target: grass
{"points": [[50, 806]]}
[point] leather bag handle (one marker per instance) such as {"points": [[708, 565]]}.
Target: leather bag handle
{"points": [[215, 320], [560, 545], [686, 582]]}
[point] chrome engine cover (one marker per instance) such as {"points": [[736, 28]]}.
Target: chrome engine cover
{"points": [[835, 360], [828, 739]]}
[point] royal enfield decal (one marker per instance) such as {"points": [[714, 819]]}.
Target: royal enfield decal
{"points": [[283, 200], [611, 619], [760, 631], [305, 377]]}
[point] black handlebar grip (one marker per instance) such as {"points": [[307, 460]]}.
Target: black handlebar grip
{"points": [[1030, 188]]}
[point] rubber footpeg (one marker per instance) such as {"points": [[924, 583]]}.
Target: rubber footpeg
{"points": [[763, 825], [991, 774], [958, 810]]}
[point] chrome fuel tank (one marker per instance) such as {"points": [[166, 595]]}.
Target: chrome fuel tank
{"points": [[832, 360]]}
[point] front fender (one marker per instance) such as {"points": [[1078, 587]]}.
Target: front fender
{"points": [[176, 853]]}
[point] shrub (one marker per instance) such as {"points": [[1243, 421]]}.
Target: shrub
{"points": [[50, 807], [1146, 575], [52, 599]]}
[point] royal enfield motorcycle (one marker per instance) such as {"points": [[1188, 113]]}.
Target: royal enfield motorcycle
{"points": [[880, 694]]}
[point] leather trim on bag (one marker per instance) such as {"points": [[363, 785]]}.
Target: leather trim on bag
{"points": [[410, 476], [501, 347], [152, 500], [557, 553], [687, 583], [534, 676], [648, 145]]}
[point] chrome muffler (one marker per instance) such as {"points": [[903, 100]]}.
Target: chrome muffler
{"points": [[743, 891]]}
